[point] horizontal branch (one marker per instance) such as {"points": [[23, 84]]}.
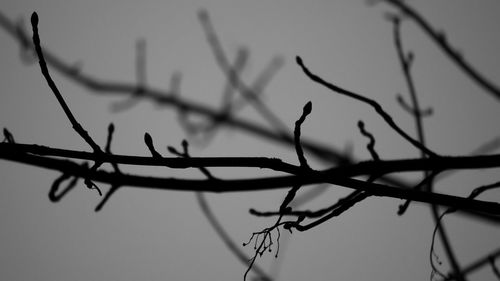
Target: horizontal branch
{"points": [[12, 150], [165, 98], [254, 184]]}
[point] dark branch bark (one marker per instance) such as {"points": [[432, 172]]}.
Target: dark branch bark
{"points": [[256, 184], [15, 150], [166, 98]]}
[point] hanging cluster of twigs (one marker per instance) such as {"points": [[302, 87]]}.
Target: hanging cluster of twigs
{"points": [[344, 171]]}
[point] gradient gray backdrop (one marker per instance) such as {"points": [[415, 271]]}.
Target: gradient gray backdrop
{"points": [[153, 235]]}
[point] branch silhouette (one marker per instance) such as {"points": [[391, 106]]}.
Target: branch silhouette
{"points": [[366, 178], [341, 175], [406, 60], [165, 98], [439, 38]]}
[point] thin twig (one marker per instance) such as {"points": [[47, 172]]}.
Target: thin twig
{"points": [[54, 194], [406, 61], [450, 51], [113, 188], [169, 98], [212, 219], [298, 146], [371, 145], [462, 272], [76, 126], [45, 71], [234, 78], [376, 106], [308, 213], [473, 266], [221, 232]]}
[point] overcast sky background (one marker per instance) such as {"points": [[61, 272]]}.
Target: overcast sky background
{"points": [[158, 235]]}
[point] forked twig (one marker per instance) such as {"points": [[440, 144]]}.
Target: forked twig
{"points": [[441, 41]]}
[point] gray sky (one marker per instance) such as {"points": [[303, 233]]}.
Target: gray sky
{"points": [[153, 235]]}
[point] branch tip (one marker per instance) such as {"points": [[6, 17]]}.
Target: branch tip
{"points": [[298, 59], [148, 140], [298, 146], [34, 19], [172, 150], [203, 15], [185, 146], [149, 143], [307, 108]]}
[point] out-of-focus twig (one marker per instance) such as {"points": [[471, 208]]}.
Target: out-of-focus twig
{"points": [[406, 60], [441, 41], [234, 78], [212, 219], [170, 98]]}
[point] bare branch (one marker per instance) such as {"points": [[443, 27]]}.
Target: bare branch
{"points": [[298, 146], [149, 143], [475, 265], [212, 219], [45, 71], [376, 106], [170, 98], [53, 195], [450, 51], [233, 77], [371, 145], [113, 188]]}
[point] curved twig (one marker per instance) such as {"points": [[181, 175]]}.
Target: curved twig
{"points": [[450, 51], [376, 106]]}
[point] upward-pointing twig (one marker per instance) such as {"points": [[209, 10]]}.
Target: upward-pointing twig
{"points": [[450, 51], [45, 71], [114, 187], [149, 143], [233, 76], [76, 126], [298, 146], [371, 145], [406, 61], [167, 98]]}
